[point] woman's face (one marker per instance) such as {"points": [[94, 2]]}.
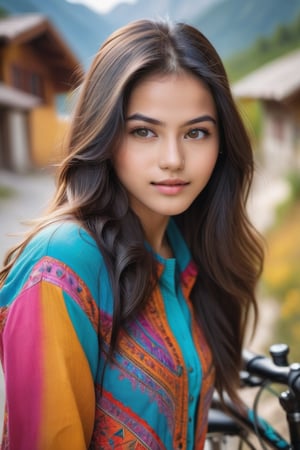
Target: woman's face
{"points": [[170, 145]]}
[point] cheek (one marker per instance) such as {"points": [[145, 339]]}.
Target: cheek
{"points": [[213, 155], [131, 158], [205, 163], [127, 165]]}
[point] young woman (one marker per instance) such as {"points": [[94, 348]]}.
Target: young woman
{"points": [[127, 304]]}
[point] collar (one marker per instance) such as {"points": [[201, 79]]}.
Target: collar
{"points": [[185, 266]]}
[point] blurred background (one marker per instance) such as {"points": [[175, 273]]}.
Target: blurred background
{"points": [[45, 49]]}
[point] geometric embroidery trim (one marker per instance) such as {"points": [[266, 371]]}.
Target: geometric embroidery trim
{"points": [[54, 271], [126, 429]]}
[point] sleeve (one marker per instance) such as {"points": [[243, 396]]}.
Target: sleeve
{"points": [[47, 343]]}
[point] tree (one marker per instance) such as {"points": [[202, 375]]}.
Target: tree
{"points": [[296, 27], [282, 35], [3, 12], [262, 44]]}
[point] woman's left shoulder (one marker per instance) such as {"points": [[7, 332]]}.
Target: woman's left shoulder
{"points": [[65, 245], [68, 235], [69, 243]]}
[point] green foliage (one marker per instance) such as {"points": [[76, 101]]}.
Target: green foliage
{"points": [[295, 27], [293, 179], [284, 39], [6, 192], [283, 34], [3, 12], [262, 45], [294, 182], [251, 112]]}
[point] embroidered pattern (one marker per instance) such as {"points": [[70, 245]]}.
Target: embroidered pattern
{"points": [[59, 274], [139, 362], [118, 427], [148, 358], [153, 368], [151, 360], [208, 372]]}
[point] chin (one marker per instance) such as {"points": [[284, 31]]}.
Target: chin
{"points": [[175, 211]]}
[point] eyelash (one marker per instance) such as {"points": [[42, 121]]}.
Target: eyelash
{"points": [[204, 132], [135, 131]]}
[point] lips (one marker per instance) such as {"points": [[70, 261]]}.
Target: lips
{"points": [[171, 182], [170, 187]]}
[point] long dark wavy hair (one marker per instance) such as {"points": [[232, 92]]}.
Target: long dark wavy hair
{"points": [[223, 243]]}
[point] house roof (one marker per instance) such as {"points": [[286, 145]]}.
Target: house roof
{"points": [[17, 99], [277, 80], [37, 31]]}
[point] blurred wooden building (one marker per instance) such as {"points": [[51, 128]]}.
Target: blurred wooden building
{"points": [[276, 86], [35, 66]]}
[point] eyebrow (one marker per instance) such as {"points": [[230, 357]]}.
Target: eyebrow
{"points": [[138, 116]]}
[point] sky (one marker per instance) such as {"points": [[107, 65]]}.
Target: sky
{"points": [[101, 6]]}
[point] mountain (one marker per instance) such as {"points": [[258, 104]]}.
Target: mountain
{"points": [[174, 9], [231, 25], [234, 25]]}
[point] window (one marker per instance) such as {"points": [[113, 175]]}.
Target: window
{"points": [[16, 77], [27, 80], [35, 84]]}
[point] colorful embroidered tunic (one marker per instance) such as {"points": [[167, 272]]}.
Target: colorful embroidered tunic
{"points": [[55, 307]]}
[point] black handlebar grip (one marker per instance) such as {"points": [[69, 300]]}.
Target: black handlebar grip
{"points": [[262, 366]]}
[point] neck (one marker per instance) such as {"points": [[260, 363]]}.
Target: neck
{"points": [[156, 236]]}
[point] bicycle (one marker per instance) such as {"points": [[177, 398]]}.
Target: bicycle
{"points": [[259, 371]]}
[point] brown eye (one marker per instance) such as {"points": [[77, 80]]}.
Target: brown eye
{"points": [[143, 132], [196, 133]]}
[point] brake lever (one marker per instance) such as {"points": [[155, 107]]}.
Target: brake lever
{"points": [[248, 380]]}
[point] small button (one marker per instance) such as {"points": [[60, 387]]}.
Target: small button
{"points": [[191, 369], [191, 398], [179, 370], [190, 419]]}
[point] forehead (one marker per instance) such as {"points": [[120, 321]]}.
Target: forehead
{"points": [[182, 92]]}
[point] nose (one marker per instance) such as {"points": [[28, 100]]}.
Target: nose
{"points": [[171, 155]]}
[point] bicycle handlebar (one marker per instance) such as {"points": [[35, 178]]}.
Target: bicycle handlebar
{"points": [[259, 370], [263, 367]]}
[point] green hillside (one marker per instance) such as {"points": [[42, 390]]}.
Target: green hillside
{"points": [[284, 39], [234, 25]]}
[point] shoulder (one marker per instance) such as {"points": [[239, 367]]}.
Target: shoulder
{"points": [[70, 244], [65, 244], [66, 241]]}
